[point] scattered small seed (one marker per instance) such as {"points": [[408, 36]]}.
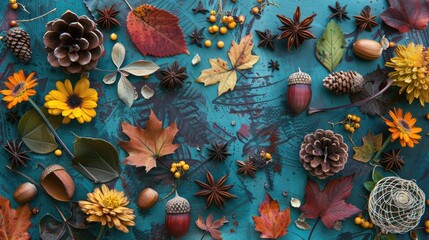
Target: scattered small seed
{"points": [[233, 123]]}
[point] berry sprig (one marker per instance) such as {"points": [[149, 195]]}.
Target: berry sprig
{"points": [[179, 169], [266, 157], [259, 8], [364, 223], [351, 123], [14, 5]]}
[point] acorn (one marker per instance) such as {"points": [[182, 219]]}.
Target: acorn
{"points": [[24, 193], [177, 218], [57, 183], [299, 91], [367, 49], [147, 198]]}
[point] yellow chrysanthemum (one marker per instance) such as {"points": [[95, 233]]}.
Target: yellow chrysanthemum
{"points": [[77, 103], [108, 206], [410, 72], [19, 88], [403, 128]]}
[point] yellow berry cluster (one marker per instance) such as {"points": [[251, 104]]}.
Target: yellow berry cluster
{"points": [[359, 220], [179, 169], [227, 21], [13, 4], [351, 123]]}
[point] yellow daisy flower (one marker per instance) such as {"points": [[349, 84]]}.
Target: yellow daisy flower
{"points": [[19, 88], [402, 128], [108, 206], [73, 103]]}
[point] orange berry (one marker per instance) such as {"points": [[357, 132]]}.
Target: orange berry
{"points": [[212, 12], [224, 19], [207, 43], [255, 10], [215, 28], [392, 44], [365, 224], [230, 19], [14, 6], [358, 220], [426, 230], [232, 25], [427, 224], [220, 44], [13, 23], [241, 19], [212, 18], [223, 30], [259, 1], [268, 156]]}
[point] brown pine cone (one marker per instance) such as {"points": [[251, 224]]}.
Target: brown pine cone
{"points": [[323, 153], [18, 41], [73, 43], [344, 82]]}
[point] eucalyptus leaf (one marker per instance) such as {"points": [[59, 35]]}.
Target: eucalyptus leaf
{"points": [[96, 159], [118, 54], [126, 91], [34, 132], [369, 185], [140, 68], [110, 78], [377, 176], [331, 47]]}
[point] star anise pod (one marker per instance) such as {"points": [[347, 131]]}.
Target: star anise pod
{"points": [[247, 167], [173, 76], [218, 151], [215, 192], [196, 36], [393, 160], [17, 157], [12, 116], [274, 65], [339, 12], [107, 17], [295, 31], [365, 21], [200, 9], [267, 39]]}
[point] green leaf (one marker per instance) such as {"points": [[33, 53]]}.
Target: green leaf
{"points": [[96, 159], [369, 185], [377, 176], [34, 132], [330, 48]]}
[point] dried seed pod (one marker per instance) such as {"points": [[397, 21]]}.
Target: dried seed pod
{"points": [[25, 193], [299, 91], [147, 198], [178, 218], [57, 183], [367, 49]]}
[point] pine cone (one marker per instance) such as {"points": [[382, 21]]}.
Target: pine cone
{"points": [[323, 153], [73, 43], [344, 82], [18, 41]]}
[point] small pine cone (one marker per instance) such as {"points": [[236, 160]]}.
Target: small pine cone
{"points": [[344, 82], [323, 153], [18, 41]]}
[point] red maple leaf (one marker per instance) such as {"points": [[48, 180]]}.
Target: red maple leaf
{"points": [[405, 15], [272, 223], [210, 226], [329, 204]]}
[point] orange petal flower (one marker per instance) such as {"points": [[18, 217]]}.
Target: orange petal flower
{"points": [[402, 128], [19, 88]]}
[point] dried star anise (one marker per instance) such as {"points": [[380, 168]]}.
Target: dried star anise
{"points": [[339, 12], [215, 192], [218, 151], [393, 160], [12, 116], [173, 76], [200, 9], [107, 17], [274, 65], [295, 31], [17, 157], [365, 21], [247, 167], [267, 39], [196, 36]]}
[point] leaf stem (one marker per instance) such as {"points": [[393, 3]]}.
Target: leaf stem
{"points": [[314, 227], [35, 18], [173, 189], [383, 147], [132, 9], [203, 235], [100, 233]]}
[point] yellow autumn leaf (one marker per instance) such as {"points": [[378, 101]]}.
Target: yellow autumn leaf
{"points": [[371, 144], [241, 58]]}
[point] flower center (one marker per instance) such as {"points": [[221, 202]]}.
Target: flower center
{"points": [[74, 101], [111, 202], [404, 126], [18, 89]]}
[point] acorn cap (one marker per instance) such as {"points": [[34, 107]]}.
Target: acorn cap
{"points": [[299, 78], [177, 205]]}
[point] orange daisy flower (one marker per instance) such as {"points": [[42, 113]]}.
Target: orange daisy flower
{"points": [[19, 88], [402, 127]]}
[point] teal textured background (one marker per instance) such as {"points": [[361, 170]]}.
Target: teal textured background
{"points": [[257, 105]]}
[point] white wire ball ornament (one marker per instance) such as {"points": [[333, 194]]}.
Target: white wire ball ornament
{"points": [[396, 205]]}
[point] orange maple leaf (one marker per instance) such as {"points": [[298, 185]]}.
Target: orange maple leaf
{"points": [[146, 145], [14, 224], [272, 223]]}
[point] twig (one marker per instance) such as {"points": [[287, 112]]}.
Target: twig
{"points": [[23, 8], [173, 189], [35, 18], [314, 226]]}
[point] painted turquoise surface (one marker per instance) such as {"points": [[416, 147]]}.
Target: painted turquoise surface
{"points": [[257, 105]]}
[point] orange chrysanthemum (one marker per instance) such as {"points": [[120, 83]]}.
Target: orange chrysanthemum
{"points": [[403, 128], [19, 88]]}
